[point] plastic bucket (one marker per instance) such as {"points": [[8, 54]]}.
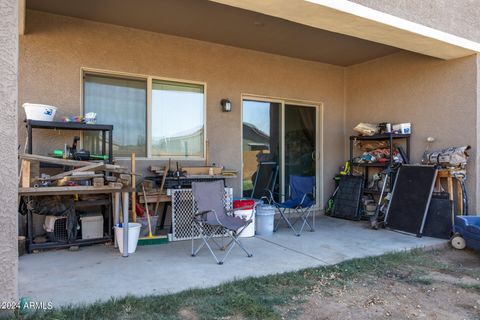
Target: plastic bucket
{"points": [[42, 112], [265, 214], [133, 234], [246, 213]]}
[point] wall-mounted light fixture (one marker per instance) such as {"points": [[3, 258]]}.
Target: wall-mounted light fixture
{"points": [[226, 105]]}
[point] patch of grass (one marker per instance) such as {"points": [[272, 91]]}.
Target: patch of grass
{"points": [[472, 287], [253, 298]]}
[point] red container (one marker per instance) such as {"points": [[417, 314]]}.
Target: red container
{"points": [[244, 204]]}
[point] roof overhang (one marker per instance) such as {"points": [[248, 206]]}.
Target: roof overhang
{"points": [[355, 20]]}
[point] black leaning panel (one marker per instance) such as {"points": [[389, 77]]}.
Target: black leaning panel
{"points": [[439, 223], [347, 198], [411, 198]]}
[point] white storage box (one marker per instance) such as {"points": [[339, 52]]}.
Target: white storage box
{"points": [[403, 128], [42, 112], [92, 226]]}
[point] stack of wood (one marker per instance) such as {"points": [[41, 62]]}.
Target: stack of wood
{"points": [[85, 173]]}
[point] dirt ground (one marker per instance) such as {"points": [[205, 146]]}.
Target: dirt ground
{"points": [[447, 286]]}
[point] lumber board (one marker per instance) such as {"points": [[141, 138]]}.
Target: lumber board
{"points": [[25, 182], [91, 167], [155, 198], [66, 162], [47, 191]]}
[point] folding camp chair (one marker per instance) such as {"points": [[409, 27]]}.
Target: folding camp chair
{"points": [[264, 179], [212, 219], [301, 203]]}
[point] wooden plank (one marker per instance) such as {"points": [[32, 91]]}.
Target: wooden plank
{"points": [[450, 187], [459, 197], [67, 162], [46, 191], [91, 167], [133, 183], [155, 198], [63, 162], [25, 181]]}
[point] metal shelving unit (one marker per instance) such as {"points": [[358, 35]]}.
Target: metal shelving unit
{"points": [[390, 137], [104, 203], [58, 125]]}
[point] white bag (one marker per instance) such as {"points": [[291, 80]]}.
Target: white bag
{"points": [[366, 129]]}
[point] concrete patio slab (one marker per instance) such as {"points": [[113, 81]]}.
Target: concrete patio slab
{"points": [[99, 272]]}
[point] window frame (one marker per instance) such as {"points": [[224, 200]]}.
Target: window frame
{"points": [[149, 80]]}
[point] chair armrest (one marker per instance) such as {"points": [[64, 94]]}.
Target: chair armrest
{"points": [[201, 214], [241, 208], [270, 198], [305, 196]]}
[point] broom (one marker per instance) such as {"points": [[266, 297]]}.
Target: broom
{"points": [[150, 239]]}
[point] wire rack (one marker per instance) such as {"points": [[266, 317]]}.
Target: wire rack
{"points": [[183, 209]]}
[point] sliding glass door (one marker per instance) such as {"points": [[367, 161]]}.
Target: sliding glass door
{"points": [[261, 140], [281, 132], [299, 142]]}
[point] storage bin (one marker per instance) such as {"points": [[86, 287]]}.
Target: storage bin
{"points": [[42, 112], [92, 226]]}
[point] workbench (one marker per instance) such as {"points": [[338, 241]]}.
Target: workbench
{"points": [[114, 194]]}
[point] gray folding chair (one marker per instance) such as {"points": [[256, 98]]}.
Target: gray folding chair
{"points": [[213, 219]]}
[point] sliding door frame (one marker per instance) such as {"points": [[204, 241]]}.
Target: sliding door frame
{"points": [[319, 158]]}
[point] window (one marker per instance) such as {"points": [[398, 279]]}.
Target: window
{"points": [[176, 126], [121, 102], [177, 119]]}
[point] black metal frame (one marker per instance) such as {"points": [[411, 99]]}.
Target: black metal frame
{"points": [[57, 125], [379, 137]]}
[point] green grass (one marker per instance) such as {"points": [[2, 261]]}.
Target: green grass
{"points": [[253, 298]]}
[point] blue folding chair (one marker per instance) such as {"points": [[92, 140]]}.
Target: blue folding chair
{"points": [[300, 204]]}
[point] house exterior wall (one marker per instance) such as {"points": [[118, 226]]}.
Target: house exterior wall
{"points": [[438, 97], [55, 49], [8, 156], [459, 17]]}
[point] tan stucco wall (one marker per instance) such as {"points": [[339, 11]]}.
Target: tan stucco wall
{"points": [[438, 97], [459, 17], [8, 156], [55, 48]]}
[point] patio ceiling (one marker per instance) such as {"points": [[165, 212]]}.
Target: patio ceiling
{"points": [[224, 24]]}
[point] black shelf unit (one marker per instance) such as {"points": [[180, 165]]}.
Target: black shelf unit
{"points": [[390, 137], [57, 125], [104, 203]]}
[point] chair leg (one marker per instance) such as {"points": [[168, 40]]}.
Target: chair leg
{"points": [[233, 243], [283, 216], [304, 214]]}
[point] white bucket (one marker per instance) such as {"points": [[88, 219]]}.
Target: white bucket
{"points": [[250, 229], [265, 214], [41, 112], [133, 234]]}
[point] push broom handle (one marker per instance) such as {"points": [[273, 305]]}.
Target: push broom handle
{"points": [[150, 235]]}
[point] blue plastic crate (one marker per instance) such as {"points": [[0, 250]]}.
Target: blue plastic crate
{"points": [[469, 228]]}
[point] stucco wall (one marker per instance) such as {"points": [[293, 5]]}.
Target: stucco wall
{"points": [[55, 48], [8, 145], [438, 97], [459, 17]]}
